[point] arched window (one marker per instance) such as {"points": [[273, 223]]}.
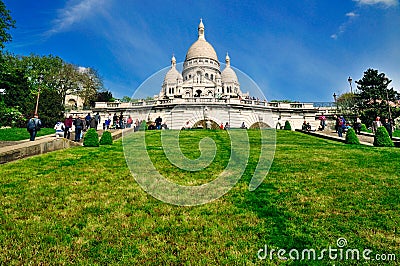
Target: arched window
{"points": [[206, 75], [212, 77]]}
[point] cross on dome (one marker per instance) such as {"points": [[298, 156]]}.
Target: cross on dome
{"points": [[227, 60], [201, 30]]}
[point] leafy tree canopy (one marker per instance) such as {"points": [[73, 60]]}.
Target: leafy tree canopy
{"points": [[372, 99], [6, 23]]}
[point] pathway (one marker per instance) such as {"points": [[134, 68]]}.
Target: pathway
{"points": [[15, 150], [364, 138]]}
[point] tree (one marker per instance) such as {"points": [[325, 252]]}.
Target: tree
{"points": [[90, 84], [6, 23], [347, 104], [382, 138], [17, 92], [126, 99], [351, 137], [103, 96], [375, 96]]}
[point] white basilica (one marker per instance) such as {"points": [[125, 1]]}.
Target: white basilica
{"points": [[201, 75], [202, 92]]}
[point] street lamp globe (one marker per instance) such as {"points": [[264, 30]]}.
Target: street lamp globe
{"points": [[351, 87]]}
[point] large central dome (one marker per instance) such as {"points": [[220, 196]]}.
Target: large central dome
{"points": [[201, 48]]}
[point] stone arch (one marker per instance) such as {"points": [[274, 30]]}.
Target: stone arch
{"points": [[259, 125], [202, 124]]}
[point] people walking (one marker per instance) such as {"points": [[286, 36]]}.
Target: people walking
{"points": [[88, 118], [79, 125], [357, 125], [322, 122], [68, 126], [33, 126], [341, 122]]}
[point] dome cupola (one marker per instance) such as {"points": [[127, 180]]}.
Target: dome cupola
{"points": [[201, 48], [228, 74], [173, 74]]}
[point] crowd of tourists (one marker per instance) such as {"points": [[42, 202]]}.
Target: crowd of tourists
{"points": [[342, 125]]}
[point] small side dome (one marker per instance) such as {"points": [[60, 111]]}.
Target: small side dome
{"points": [[228, 74], [173, 74]]}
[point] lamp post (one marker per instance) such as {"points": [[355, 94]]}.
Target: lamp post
{"points": [[38, 95], [351, 87], [385, 83], [335, 99]]}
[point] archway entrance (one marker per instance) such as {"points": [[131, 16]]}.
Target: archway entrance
{"points": [[203, 124], [259, 125]]}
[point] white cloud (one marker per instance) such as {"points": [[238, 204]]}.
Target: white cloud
{"points": [[350, 17], [351, 14], [74, 12], [386, 3]]}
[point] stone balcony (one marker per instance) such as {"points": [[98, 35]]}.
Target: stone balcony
{"points": [[196, 101]]}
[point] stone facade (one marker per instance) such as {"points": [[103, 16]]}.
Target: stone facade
{"points": [[201, 76], [202, 92]]}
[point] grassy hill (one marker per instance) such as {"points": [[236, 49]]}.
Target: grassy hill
{"points": [[83, 206]]}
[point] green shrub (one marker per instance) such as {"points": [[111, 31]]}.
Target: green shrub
{"points": [[382, 138], [351, 137], [364, 128], [106, 138], [91, 138], [143, 126], [287, 126]]}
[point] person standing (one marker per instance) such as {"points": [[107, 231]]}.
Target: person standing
{"points": [[93, 123], [33, 126], [121, 120], [227, 126], [158, 122], [388, 125], [88, 118], [322, 122], [98, 118], [114, 120], [79, 123], [357, 125], [129, 122], [68, 125], [341, 125], [107, 123], [375, 124]]}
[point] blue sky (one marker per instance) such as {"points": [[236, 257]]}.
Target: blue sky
{"points": [[299, 50]]}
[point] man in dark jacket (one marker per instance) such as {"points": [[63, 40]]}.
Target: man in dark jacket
{"points": [[79, 124], [33, 126], [388, 125]]}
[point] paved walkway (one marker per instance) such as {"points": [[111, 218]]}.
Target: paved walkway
{"points": [[14, 150], [364, 138]]}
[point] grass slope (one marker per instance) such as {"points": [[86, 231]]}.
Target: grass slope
{"points": [[15, 134], [83, 206]]}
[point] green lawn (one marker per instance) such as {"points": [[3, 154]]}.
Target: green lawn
{"points": [[396, 133], [82, 206], [14, 134]]}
